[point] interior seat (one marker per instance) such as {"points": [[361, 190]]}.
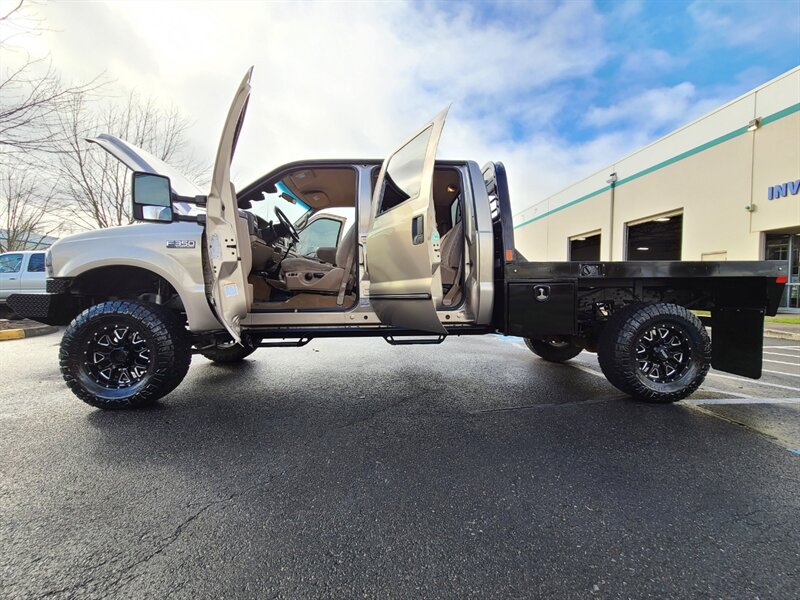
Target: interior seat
{"points": [[309, 275], [451, 248]]}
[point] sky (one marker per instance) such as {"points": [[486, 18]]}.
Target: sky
{"points": [[555, 90]]}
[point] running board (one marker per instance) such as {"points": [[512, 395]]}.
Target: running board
{"points": [[409, 342], [283, 344]]}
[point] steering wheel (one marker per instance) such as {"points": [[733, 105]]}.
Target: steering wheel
{"points": [[290, 228]]}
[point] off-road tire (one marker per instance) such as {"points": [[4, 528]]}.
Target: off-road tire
{"points": [[157, 330], [552, 350], [638, 332], [228, 354]]}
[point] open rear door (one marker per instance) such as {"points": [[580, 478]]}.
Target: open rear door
{"points": [[229, 281], [405, 280]]}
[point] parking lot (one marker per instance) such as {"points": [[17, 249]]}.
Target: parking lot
{"points": [[352, 468]]}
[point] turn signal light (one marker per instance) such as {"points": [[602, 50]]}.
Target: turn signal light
{"points": [[781, 279], [510, 255]]}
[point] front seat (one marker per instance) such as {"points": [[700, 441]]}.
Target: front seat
{"points": [[309, 275]]}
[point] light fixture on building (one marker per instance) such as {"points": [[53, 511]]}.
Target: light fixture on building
{"points": [[643, 248], [754, 124], [662, 219], [612, 178]]}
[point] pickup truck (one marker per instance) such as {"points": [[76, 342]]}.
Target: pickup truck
{"points": [[430, 254], [22, 272]]}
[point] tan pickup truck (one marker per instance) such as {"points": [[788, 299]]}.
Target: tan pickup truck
{"points": [[409, 248]]}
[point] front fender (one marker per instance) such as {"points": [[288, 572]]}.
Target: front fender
{"points": [[145, 247]]}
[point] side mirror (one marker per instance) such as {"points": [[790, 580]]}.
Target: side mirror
{"points": [[152, 198]]}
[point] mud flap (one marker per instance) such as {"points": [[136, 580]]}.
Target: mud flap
{"points": [[737, 340]]}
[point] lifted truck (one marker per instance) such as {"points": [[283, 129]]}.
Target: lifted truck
{"points": [[430, 254]]}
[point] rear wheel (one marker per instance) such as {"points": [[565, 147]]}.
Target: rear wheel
{"points": [[655, 352], [230, 352], [553, 350], [124, 354]]}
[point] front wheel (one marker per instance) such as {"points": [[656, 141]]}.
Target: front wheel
{"points": [[552, 350], [124, 354], [228, 353], [655, 352]]}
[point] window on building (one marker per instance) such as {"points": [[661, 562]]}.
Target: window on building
{"points": [[786, 247], [585, 247], [657, 239]]}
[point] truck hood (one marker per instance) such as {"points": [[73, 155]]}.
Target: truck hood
{"points": [[137, 159]]}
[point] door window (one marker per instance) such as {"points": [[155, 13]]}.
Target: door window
{"points": [[36, 263], [404, 172], [10, 263], [321, 233]]}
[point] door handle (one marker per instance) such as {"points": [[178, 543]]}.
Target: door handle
{"points": [[418, 230]]}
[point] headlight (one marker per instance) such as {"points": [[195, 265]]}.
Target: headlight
{"points": [[48, 263]]}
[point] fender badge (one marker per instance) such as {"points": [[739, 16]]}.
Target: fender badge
{"points": [[181, 244]]}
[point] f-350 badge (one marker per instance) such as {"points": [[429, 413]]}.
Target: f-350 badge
{"points": [[181, 244]]}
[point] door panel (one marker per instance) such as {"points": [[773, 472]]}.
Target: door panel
{"points": [[229, 290], [403, 266]]}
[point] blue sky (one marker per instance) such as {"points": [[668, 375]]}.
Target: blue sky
{"points": [[556, 90]]}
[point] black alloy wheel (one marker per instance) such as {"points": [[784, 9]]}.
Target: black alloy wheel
{"points": [[655, 352], [124, 354]]}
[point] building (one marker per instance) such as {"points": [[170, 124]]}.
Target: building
{"points": [[34, 241], [724, 187]]}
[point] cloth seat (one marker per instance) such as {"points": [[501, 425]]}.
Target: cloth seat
{"points": [[302, 268]]}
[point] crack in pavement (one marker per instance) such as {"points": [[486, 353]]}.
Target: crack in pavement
{"points": [[120, 576]]}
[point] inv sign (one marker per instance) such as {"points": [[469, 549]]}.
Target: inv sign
{"points": [[790, 188]]}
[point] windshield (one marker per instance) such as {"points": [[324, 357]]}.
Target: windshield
{"points": [[294, 208]]}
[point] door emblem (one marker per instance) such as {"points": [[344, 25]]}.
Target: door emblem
{"points": [[541, 293]]}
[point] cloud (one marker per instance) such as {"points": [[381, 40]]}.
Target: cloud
{"points": [[734, 23], [538, 85], [653, 110]]}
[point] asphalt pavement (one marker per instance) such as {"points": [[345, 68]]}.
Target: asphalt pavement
{"points": [[350, 468]]}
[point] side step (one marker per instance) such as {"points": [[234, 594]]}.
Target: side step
{"points": [[411, 341], [284, 344]]}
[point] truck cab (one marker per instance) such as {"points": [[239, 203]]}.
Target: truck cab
{"points": [[22, 272]]}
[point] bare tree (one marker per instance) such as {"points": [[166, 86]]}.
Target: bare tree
{"points": [[31, 92], [24, 208], [94, 187]]}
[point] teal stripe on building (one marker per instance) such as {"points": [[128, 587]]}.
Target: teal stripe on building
{"points": [[701, 148]]}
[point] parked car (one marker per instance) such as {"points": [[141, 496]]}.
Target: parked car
{"points": [[22, 273]]}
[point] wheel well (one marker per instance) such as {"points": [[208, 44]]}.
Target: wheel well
{"points": [[126, 283]]}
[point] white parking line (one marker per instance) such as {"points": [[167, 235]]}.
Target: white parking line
{"points": [[742, 401], [782, 362], [587, 370], [793, 348], [781, 373], [756, 382], [779, 354]]}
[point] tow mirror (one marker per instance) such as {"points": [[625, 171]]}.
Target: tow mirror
{"points": [[152, 198]]}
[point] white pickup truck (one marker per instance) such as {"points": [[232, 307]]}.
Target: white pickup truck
{"points": [[22, 273]]}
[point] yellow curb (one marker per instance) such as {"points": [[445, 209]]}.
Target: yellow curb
{"points": [[12, 334]]}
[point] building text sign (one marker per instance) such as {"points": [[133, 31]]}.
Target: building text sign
{"points": [[783, 190]]}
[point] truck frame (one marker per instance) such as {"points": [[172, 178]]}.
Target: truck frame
{"points": [[210, 274]]}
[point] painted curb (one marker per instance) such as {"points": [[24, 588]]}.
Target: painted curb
{"points": [[781, 335], [18, 334]]}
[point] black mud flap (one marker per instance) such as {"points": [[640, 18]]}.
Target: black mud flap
{"points": [[737, 340]]}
